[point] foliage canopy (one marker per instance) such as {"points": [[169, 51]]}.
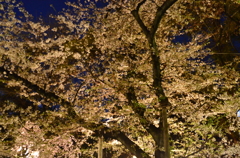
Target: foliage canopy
{"points": [[115, 72]]}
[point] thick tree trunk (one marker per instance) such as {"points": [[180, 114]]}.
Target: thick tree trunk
{"points": [[165, 132], [162, 145]]}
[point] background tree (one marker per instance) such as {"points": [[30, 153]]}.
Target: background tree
{"points": [[118, 74]]}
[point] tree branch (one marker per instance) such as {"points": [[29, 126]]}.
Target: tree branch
{"points": [[139, 110], [101, 130], [75, 97], [130, 145], [41, 91], [10, 93], [139, 20], [160, 12]]}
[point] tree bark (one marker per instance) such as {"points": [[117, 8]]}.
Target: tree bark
{"points": [[100, 149]]}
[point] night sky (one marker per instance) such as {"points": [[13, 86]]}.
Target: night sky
{"points": [[43, 7]]}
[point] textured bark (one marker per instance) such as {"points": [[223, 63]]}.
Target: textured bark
{"points": [[100, 149]]}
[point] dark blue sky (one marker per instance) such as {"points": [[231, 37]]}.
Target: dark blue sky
{"points": [[42, 7]]}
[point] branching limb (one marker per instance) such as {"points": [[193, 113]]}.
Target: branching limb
{"points": [[10, 93], [139, 20], [160, 12], [75, 97], [139, 111], [131, 146], [199, 150], [120, 136], [52, 96], [108, 133]]}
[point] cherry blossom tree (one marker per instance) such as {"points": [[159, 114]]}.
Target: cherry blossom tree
{"points": [[116, 73]]}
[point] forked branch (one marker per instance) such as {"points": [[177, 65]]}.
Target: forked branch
{"points": [[160, 12], [135, 13]]}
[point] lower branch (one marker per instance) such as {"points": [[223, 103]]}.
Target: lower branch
{"points": [[130, 145]]}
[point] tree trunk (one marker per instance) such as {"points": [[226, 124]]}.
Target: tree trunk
{"points": [[100, 150], [162, 145]]}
